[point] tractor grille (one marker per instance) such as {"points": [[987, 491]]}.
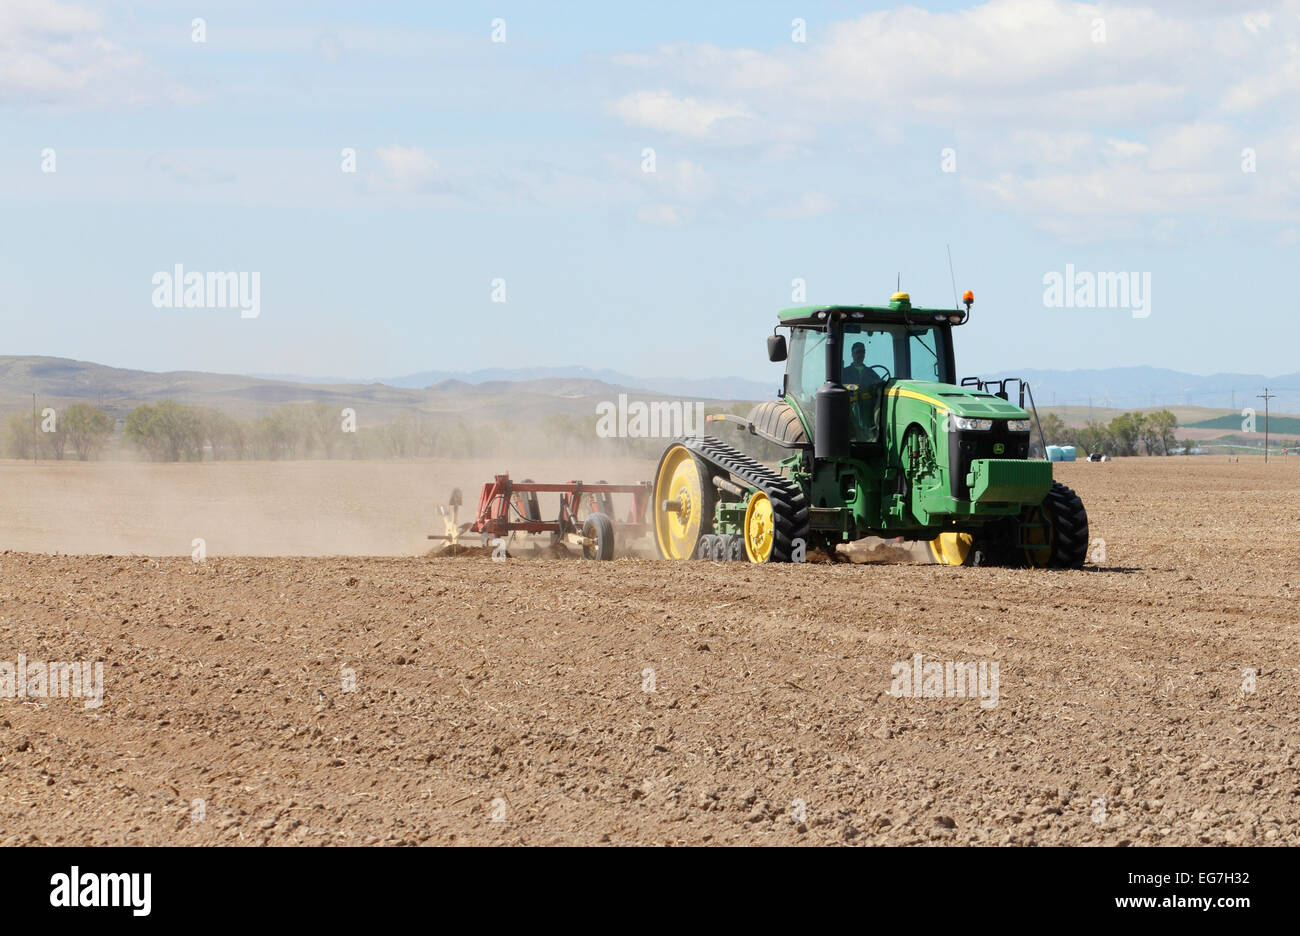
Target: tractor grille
{"points": [[965, 447]]}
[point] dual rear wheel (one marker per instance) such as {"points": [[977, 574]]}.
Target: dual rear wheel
{"points": [[1050, 535]]}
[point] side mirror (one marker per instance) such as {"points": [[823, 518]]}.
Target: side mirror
{"points": [[776, 348]]}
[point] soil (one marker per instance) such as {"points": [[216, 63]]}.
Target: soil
{"points": [[1150, 698]]}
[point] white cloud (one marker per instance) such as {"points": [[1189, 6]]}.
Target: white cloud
{"points": [[806, 205], [687, 181], [1257, 22], [408, 167], [45, 17], [741, 69], [57, 54], [665, 216], [1002, 60], [1196, 145], [183, 169], [1126, 149], [661, 110], [1143, 127]]}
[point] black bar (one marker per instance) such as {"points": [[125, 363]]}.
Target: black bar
{"points": [[936, 889]]}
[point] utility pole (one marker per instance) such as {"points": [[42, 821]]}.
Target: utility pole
{"points": [[1266, 396]]}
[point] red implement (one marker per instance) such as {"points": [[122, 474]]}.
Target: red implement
{"points": [[506, 507]]}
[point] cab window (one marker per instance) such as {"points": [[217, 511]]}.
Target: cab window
{"points": [[868, 357], [893, 352], [807, 370], [924, 354]]}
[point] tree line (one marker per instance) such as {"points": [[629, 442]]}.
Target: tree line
{"points": [[175, 432], [170, 431], [1127, 434], [80, 431]]}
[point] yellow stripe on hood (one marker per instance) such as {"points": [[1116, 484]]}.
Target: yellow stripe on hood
{"points": [[904, 392]]}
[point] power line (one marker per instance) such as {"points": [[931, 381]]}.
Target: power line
{"points": [[1266, 396]]}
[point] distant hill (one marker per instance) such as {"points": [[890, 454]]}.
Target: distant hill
{"points": [[1116, 388], [60, 381], [1127, 388], [118, 390], [694, 388], [532, 394]]}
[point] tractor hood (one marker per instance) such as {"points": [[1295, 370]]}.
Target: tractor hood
{"points": [[959, 401]]}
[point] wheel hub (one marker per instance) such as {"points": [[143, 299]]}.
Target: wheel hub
{"points": [[684, 506]]}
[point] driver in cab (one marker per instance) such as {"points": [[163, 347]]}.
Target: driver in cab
{"points": [[858, 374]]}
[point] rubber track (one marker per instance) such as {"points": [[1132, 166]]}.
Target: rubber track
{"points": [[789, 506]]}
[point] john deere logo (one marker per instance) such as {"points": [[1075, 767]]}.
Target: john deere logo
{"points": [[999, 448]]}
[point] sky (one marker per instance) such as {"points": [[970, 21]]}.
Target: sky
{"points": [[646, 185]]}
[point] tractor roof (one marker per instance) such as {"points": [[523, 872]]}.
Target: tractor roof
{"points": [[900, 309]]}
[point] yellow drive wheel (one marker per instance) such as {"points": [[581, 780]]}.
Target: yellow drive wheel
{"points": [[951, 548], [681, 503], [759, 528]]}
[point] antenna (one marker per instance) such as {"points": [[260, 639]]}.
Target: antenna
{"points": [[953, 276], [898, 286]]}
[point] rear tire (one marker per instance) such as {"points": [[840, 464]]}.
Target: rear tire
{"points": [[1067, 530], [600, 528], [778, 419]]}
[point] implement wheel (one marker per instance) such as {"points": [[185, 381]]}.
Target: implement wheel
{"points": [[600, 528], [683, 503]]}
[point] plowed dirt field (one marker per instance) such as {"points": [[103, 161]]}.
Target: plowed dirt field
{"points": [[255, 698]]}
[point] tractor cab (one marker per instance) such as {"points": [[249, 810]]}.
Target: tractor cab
{"points": [[866, 350]]}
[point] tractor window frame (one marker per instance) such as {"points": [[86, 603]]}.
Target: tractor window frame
{"points": [[797, 374]]}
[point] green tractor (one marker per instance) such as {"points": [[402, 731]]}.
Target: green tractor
{"points": [[880, 440]]}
